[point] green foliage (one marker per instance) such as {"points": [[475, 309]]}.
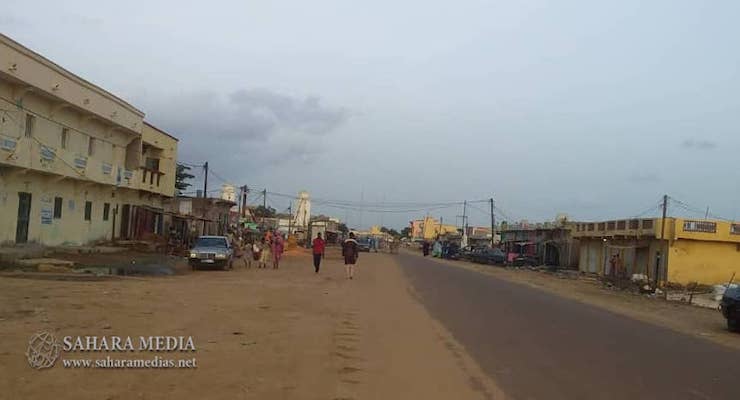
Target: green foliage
{"points": [[182, 176], [263, 212]]}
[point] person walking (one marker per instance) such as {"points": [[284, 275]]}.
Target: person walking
{"points": [[278, 245], [318, 251], [351, 252], [265, 256]]}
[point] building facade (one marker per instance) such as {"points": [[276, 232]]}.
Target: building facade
{"points": [[551, 243], [675, 250], [77, 164], [430, 228]]}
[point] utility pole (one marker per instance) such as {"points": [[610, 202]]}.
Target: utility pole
{"points": [[662, 238], [205, 194], [205, 180], [264, 198], [290, 219], [493, 224], [245, 192], [464, 221]]}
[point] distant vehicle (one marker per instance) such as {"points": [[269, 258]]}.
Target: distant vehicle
{"points": [[524, 260], [487, 255], [363, 244], [211, 251], [730, 308]]}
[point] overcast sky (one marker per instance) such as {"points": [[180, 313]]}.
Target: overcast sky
{"points": [[590, 108]]}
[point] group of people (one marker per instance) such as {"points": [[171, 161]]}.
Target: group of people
{"points": [[268, 250]]}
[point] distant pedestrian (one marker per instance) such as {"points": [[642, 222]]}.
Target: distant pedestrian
{"points": [[278, 245], [318, 251], [265, 257], [350, 251], [425, 248]]}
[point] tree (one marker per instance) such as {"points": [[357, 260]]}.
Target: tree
{"points": [[263, 212], [182, 176], [406, 232], [342, 228]]}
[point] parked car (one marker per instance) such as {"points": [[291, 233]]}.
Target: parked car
{"points": [[466, 253], [524, 259], [452, 252], [211, 251], [730, 307], [487, 255]]}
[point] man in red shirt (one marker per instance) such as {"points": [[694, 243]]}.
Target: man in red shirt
{"points": [[318, 251]]}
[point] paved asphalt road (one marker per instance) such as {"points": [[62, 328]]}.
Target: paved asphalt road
{"points": [[536, 345]]}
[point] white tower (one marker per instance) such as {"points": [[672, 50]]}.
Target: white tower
{"points": [[302, 211], [228, 192]]}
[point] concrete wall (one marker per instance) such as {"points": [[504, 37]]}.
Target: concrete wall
{"points": [[71, 228], [704, 262]]}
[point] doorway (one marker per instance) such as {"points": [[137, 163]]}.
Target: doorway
{"points": [[24, 217]]}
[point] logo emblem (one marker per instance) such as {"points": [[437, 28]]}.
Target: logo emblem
{"points": [[43, 350]]}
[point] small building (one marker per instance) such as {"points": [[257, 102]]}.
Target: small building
{"points": [[430, 228], [195, 216], [676, 250], [327, 226], [551, 243]]}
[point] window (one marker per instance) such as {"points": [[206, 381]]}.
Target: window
{"points": [[621, 225], [151, 178], [65, 137], [647, 224], [590, 227], [602, 226], [158, 176], [152, 163], [610, 225], [735, 229], [106, 211], [700, 226], [88, 210], [634, 224], [57, 207], [143, 176], [90, 146], [30, 122]]}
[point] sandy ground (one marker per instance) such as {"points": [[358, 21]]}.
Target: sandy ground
{"points": [[696, 321], [259, 334]]}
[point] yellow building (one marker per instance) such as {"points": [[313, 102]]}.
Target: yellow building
{"points": [[703, 251], [431, 228], [76, 163]]}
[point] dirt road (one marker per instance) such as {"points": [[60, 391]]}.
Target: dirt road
{"points": [[539, 345], [259, 334]]}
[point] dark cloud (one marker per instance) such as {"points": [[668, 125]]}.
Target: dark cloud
{"points": [[245, 128], [304, 115], [699, 144]]}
